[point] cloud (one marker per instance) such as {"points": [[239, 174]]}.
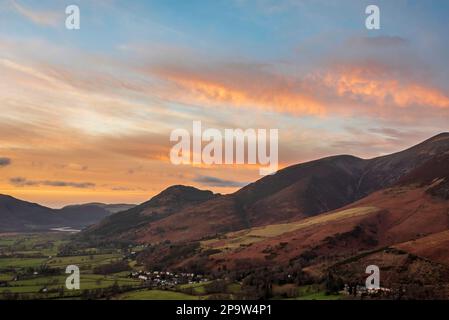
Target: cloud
{"points": [[72, 166], [375, 141], [23, 182], [379, 41], [374, 83], [4, 162], [217, 182], [40, 17], [339, 88], [239, 85]]}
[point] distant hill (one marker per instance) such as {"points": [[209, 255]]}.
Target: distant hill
{"points": [[19, 215], [296, 192], [112, 208], [411, 215], [83, 215]]}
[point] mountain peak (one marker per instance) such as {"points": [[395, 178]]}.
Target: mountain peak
{"points": [[180, 187], [182, 193], [440, 136]]}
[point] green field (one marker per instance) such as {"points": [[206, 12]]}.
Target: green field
{"points": [[83, 261], [20, 262], [319, 296], [307, 292], [156, 295], [24, 255], [32, 266], [197, 288]]}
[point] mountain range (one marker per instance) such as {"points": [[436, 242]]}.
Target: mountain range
{"points": [[329, 216], [296, 192], [335, 216], [22, 216]]}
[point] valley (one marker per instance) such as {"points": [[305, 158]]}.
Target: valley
{"points": [[307, 232], [32, 267]]}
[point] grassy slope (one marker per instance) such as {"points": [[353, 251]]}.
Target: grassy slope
{"points": [[156, 295], [235, 239]]}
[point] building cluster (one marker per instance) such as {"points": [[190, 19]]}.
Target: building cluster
{"points": [[166, 279], [358, 290]]}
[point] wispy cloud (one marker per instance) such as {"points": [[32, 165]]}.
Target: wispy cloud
{"points": [[23, 182], [378, 41], [239, 85], [217, 182], [40, 17], [338, 88], [376, 84], [112, 102]]}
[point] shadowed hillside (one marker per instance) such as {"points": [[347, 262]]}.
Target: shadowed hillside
{"points": [[296, 192], [18, 215]]}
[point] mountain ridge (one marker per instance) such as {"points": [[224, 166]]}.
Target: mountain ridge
{"points": [[296, 192], [17, 215]]}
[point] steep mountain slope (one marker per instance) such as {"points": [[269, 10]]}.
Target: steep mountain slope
{"points": [[296, 192], [413, 214], [302, 190], [318, 186], [18, 215]]}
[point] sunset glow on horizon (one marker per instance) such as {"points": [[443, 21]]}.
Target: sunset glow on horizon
{"points": [[86, 115]]}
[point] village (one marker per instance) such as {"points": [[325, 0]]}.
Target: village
{"points": [[363, 291], [166, 279]]}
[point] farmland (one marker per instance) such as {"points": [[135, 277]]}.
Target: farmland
{"points": [[32, 266]]}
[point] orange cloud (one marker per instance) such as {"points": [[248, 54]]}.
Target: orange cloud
{"points": [[56, 120], [260, 90], [338, 90], [357, 84]]}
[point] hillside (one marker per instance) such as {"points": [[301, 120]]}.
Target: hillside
{"points": [[18, 215], [161, 206], [323, 185], [408, 216], [296, 192]]}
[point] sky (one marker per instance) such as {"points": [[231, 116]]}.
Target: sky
{"points": [[86, 115]]}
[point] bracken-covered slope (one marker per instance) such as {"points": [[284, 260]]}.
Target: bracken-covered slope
{"points": [[412, 215], [296, 192], [327, 184]]}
